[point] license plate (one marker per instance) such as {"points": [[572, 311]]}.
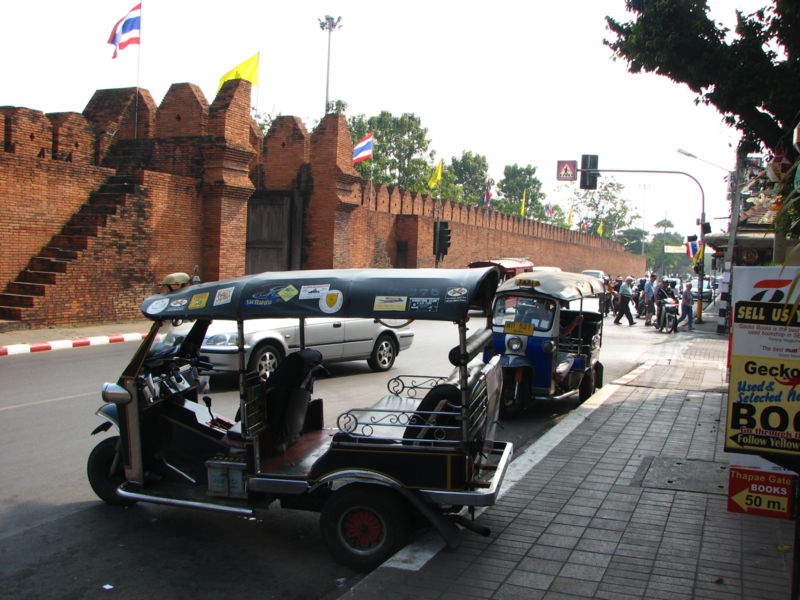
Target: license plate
{"points": [[517, 328]]}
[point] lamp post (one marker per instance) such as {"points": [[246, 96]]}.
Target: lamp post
{"points": [[330, 25], [702, 224]]}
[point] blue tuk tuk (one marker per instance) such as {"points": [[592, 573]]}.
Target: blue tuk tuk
{"points": [[549, 336]]}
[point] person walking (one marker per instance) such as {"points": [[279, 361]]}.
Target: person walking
{"points": [[687, 307], [650, 299], [624, 307]]}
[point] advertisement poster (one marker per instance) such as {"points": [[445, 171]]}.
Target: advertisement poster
{"points": [[764, 387]]}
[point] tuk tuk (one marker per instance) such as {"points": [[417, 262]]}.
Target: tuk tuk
{"points": [[425, 451], [548, 340]]}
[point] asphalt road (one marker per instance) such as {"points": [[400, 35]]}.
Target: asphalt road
{"points": [[57, 540]]}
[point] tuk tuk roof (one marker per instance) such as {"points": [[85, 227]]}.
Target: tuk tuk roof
{"points": [[431, 294], [563, 286]]}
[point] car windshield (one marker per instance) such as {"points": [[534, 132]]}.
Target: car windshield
{"points": [[537, 311]]}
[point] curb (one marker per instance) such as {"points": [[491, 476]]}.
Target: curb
{"points": [[73, 343]]}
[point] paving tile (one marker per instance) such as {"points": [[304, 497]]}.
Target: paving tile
{"points": [[537, 581], [576, 587], [515, 592]]}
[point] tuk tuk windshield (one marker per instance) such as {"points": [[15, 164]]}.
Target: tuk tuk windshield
{"points": [[538, 312]]}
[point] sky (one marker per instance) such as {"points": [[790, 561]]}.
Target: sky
{"points": [[527, 83]]}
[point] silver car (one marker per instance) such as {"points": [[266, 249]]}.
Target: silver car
{"points": [[268, 341]]}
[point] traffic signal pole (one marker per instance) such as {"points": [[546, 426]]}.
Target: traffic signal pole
{"points": [[702, 223]]}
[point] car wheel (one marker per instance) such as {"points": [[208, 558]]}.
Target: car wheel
{"points": [[98, 470], [264, 360], [363, 525], [383, 354]]}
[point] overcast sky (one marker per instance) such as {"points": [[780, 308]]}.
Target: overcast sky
{"points": [[520, 82]]}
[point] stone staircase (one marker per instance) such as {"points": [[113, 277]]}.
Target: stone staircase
{"points": [[29, 290]]}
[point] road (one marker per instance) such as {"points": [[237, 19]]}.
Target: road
{"points": [[58, 541]]}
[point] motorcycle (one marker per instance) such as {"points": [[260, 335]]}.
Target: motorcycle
{"points": [[668, 317], [425, 451], [548, 341]]}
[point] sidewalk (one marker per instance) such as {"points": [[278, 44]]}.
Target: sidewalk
{"points": [[632, 504]]}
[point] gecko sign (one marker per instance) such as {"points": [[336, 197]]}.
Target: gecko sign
{"points": [[764, 385]]}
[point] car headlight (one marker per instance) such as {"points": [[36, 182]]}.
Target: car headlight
{"points": [[222, 339], [514, 344]]}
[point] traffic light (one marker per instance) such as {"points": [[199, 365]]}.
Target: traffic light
{"points": [[588, 176], [706, 228], [441, 240], [691, 238]]}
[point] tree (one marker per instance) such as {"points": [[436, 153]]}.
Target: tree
{"points": [[515, 181], [666, 263], [400, 154], [664, 224], [604, 205], [633, 239], [750, 78], [470, 172]]}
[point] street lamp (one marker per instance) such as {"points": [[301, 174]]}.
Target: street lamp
{"points": [[702, 223], [330, 25]]}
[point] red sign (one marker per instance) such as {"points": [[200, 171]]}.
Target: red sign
{"points": [[761, 493], [567, 170]]}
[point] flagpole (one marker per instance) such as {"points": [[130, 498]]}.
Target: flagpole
{"points": [[138, 66]]}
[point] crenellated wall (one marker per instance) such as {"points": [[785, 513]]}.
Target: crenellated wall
{"points": [[181, 174]]}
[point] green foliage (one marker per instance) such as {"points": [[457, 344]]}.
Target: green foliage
{"points": [[515, 181], [470, 173], [664, 224], [634, 239], [750, 77], [663, 263], [401, 153], [604, 205]]}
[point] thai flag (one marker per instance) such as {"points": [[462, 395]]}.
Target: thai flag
{"points": [[127, 30], [363, 149], [487, 197], [691, 249], [549, 210], [585, 224]]}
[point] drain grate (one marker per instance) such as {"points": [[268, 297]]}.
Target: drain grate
{"points": [[681, 474]]}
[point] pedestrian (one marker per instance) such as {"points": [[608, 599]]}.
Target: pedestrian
{"points": [[662, 293], [624, 307], [650, 298], [687, 307]]}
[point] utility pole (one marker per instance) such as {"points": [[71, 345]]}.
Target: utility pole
{"points": [[330, 25]]}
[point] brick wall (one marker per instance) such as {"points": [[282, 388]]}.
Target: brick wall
{"points": [[37, 196], [197, 164]]}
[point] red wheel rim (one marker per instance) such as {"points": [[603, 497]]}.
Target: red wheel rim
{"points": [[362, 529]]}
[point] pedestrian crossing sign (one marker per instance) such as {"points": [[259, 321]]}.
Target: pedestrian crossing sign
{"points": [[567, 170]]}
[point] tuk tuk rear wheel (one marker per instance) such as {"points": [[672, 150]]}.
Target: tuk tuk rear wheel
{"points": [[98, 470], [363, 525]]}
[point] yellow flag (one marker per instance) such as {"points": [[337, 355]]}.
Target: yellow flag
{"points": [[600, 228], [569, 217], [437, 175], [248, 71], [522, 204], [698, 256]]}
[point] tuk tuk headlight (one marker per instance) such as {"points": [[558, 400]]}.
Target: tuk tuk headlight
{"points": [[548, 347], [514, 344]]}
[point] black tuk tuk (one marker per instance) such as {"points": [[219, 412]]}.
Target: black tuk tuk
{"points": [[548, 339], [426, 449]]}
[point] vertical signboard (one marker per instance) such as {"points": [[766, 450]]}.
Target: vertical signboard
{"points": [[764, 386]]}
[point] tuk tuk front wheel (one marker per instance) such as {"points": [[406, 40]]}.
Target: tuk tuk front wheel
{"points": [[511, 403], [98, 470], [587, 385], [363, 525]]}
